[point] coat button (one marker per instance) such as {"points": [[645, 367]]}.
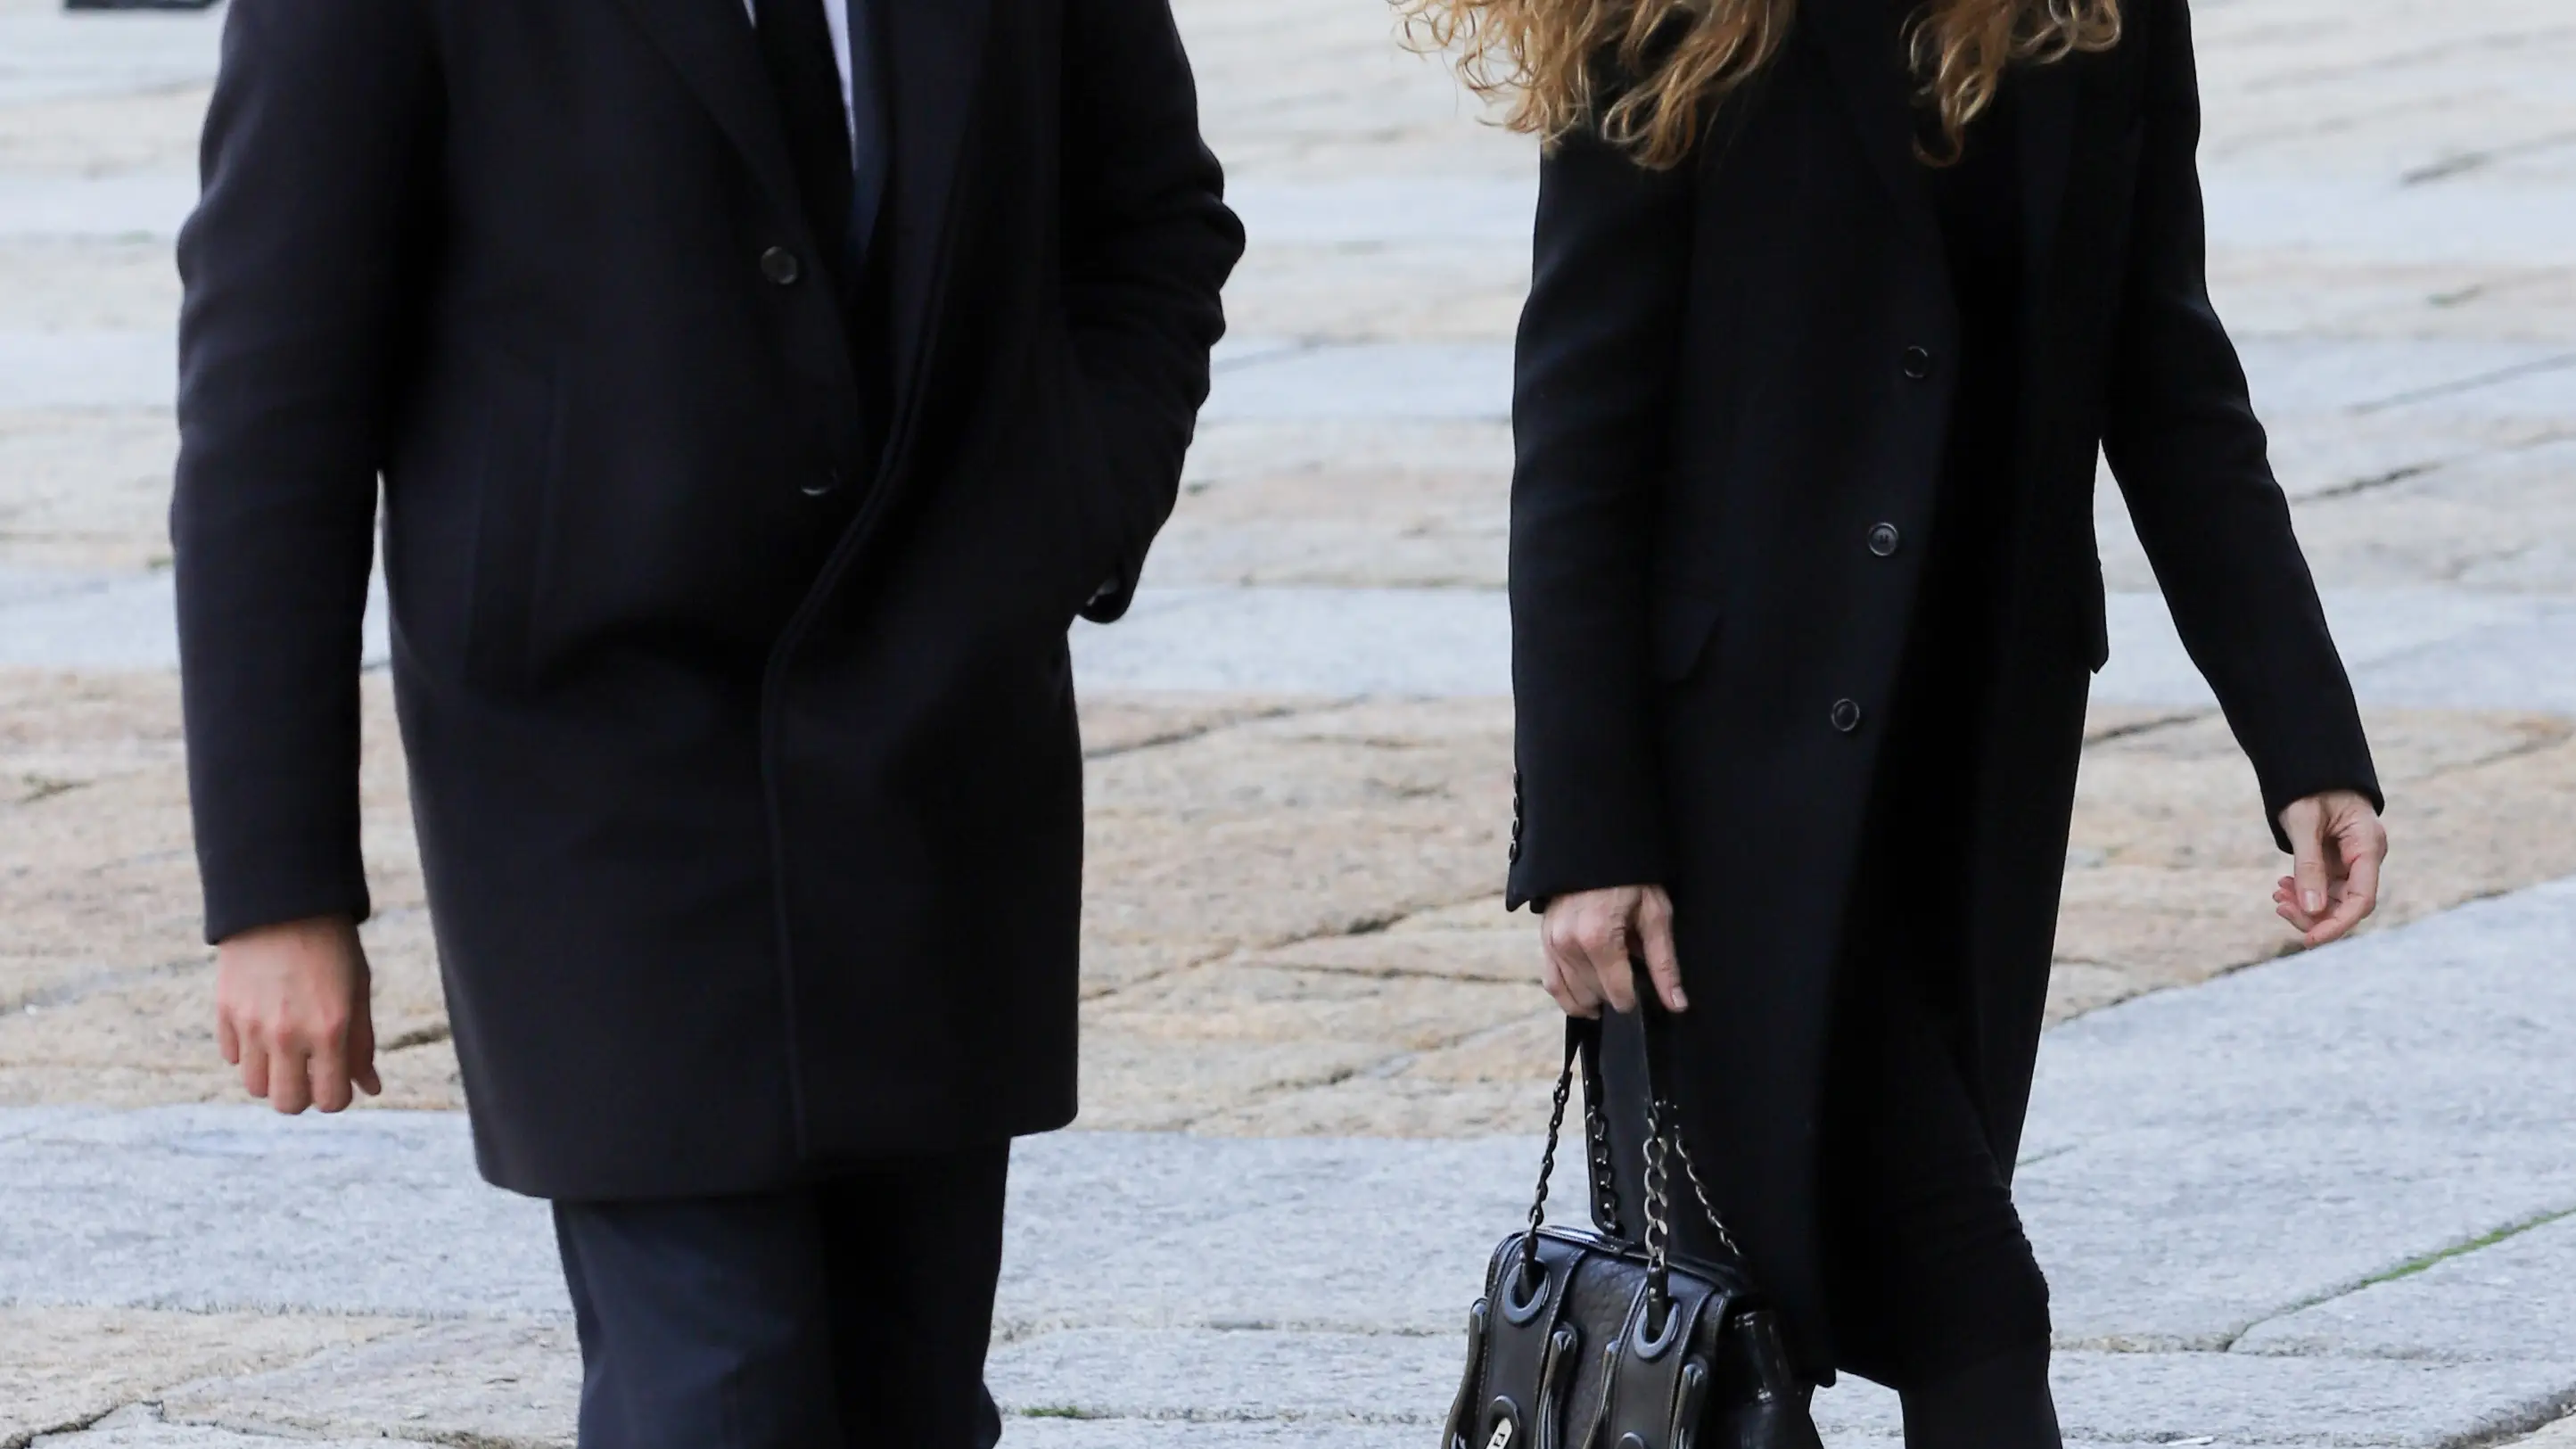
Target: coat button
{"points": [[822, 487], [1846, 715], [1883, 540], [1918, 363], [779, 265]]}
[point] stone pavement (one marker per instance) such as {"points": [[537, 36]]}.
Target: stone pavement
{"points": [[2321, 1201], [2324, 1201]]}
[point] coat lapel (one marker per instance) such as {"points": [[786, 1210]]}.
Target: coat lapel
{"points": [[711, 44], [934, 67], [1859, 42]]}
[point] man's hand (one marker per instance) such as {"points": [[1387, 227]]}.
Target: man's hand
{"points": [[1590, 938], [291, 1010], [2337, 844]]}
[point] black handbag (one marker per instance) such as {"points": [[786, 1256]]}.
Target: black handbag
{"points": [[1588, 1340]]}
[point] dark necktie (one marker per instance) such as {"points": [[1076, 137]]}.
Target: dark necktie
{"points": [[873, 127], [796, 45]]}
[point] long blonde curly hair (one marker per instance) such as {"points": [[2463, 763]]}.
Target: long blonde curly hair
{"points": [[1540, 58]]}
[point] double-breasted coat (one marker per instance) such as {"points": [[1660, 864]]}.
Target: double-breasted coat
{"points": [[1734, 382], [740, 727]]}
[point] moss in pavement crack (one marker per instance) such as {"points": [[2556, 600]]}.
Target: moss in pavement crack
{"points": [[2414, 1266]]}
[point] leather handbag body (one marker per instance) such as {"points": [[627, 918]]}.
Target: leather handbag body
{"points": [[1587, 1339]]}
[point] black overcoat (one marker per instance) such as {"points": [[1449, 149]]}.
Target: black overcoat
{"points": [[1732, 396], [743, 752]]}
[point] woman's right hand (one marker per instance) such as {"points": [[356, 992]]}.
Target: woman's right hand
{"points": [[1591, 936]]}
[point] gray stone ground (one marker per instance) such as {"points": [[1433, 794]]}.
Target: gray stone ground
{"points": [[2327, 1201]]}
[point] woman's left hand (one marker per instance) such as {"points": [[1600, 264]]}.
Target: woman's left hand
{"points": [[2337, 845]]}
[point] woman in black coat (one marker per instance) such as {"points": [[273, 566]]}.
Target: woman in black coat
{"points": [[1833, 305]]}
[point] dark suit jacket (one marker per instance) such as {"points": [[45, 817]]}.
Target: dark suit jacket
{"points": [[1730, 376], [743, 753]]}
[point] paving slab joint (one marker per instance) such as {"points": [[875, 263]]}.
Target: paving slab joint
{"points": [[2409, 1269], [2559, 1410], [24, 1437], [2477, 1244], [1186, 734], [2134, 728], [1376, 924]]}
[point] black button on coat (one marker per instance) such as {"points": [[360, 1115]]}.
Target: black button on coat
{"points": [[752, 831], [1713, 407]]}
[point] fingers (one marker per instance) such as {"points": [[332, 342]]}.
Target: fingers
{"points": [[1560, 986], [1592, 940], [2304, 823], [1573, 932], [1655, 937], [1608, 951], [362, 1052], [327, 1074], [227, 1039], [290, 1080], [254, 1062], [2285, 904], [2361, 844], [1568, 974]]}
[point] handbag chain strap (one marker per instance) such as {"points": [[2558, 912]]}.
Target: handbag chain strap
{"points": [[1664, 1143], [1547, 1159]]}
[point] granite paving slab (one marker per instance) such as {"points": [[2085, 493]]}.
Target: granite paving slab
{"points": [[2531, 661], [2457, 378], [1368, 380], [2411, 646], [88, 369], [1063, 1432], [2508, 224], [2199, 1161], [62, 619], [1381, 211], [2502, 1300], [2421, 647], [2233, 1399], [230, 1208], [64, 1366], [1232, 1375], [1303, 641], [467, 1382], [2501, 224], [144, 1430], [2560, 1435], [50, 55], [95, 207]]}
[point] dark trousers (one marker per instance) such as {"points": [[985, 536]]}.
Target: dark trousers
{"points": [[851, 1312]]}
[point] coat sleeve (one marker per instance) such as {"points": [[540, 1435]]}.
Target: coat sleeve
{"points": [[1591, 417], [2182, 439], [1149, 243], [299, 266]]}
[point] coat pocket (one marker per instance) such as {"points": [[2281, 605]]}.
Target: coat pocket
{"points": [[1091, 544], [518, 453]]}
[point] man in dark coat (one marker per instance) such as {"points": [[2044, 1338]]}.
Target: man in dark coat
{"points": [[758, 391]]}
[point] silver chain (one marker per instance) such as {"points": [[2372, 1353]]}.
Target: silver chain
{"points": [[1658, 1183], [1546, 1170], [1699, 1189], [1605, 1167]]}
